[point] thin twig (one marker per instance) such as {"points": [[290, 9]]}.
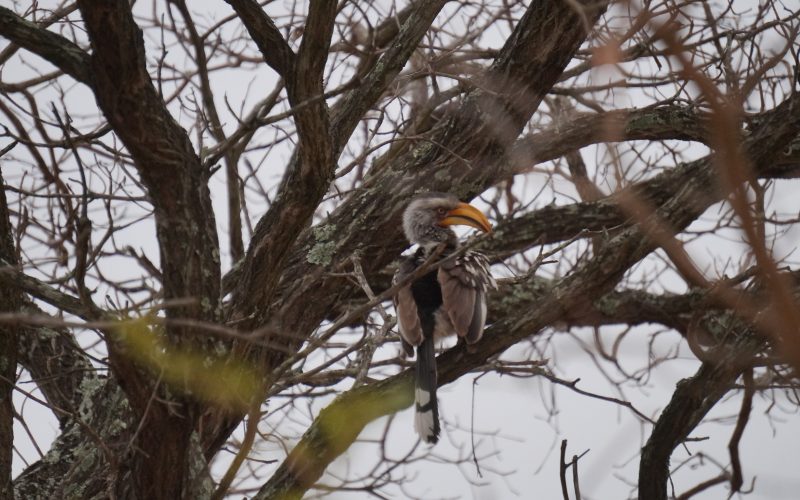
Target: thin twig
{"points": [[253, 417], [472, 425], [575, 483], [741, 423], [563, 470], [703, 486]]}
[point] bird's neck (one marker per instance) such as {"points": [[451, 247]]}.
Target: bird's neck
{"points": [[450, 245]]}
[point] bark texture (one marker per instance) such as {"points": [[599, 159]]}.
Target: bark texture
{"points": [[10, 301]]}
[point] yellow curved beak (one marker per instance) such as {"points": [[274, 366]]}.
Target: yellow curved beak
{"points": [[467, 215]]}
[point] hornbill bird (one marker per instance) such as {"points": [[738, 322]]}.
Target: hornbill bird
{"points": [[444, 301]]}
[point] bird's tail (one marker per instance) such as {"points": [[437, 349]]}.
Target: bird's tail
{"points": [[426, 418]]}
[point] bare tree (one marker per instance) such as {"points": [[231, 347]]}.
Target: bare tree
{"points": [[200, 221]]}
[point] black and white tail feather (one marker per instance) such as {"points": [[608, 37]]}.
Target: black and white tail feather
{"points": [[426, 415]]}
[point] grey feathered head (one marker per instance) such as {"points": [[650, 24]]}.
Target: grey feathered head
{"points": [[427, 218]]}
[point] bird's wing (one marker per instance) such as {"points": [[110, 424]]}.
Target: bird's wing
{"points": [[464, 283], [406, 307]]}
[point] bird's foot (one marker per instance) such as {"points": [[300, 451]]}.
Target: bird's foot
{"points": [[470, 348]]}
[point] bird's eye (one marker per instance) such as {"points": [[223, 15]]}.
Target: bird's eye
{"points": [[441, 211]]}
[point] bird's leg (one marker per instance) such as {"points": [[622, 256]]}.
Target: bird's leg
{"points": [[408, 349], [470, 348]]}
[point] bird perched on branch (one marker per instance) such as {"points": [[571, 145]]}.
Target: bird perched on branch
{"points": [[450, 299]]}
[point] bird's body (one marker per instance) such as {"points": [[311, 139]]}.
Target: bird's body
{"points": [[444, 301]]}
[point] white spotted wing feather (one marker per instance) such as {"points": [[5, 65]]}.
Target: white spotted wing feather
{"points": [[465, 282], [407, 316]]}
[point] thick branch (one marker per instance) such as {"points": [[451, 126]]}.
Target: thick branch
{"points": [[557, 223], [57, 365], [690, 402], [274, 49], [10, 301], [79, 460], [163, 154], [85, 460], [185, 227], [52, 356], [52, 47], [333, 431], [310, 171], [13, 277], [582, 129]]}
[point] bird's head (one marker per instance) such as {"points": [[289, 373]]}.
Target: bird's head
{"points": [[427, 218]]}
